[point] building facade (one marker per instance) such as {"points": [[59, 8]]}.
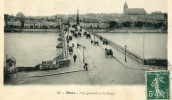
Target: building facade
{"points": [[14, 23], [11, 65], [41, 24], [133, 11]]}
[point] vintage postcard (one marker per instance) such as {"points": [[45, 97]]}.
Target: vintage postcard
{"points": [[86, 49]]}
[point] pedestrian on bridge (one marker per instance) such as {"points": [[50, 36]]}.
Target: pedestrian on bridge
{"points": [[106, 42], [85, 66], [74, 57], [91, 41], [73, 45]]}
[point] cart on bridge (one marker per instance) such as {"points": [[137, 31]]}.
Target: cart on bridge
{"points": [[70, 50], [108, 52], [96, 42]]}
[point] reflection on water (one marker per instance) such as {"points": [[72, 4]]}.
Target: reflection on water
{"points": [[30, 49], [155, 44]]}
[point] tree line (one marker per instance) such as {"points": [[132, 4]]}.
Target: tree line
{"points": [[138, 24]]}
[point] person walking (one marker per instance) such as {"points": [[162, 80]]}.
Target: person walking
{"points": [[73, 45], [85, 66], [91, 42], [74, 57]]}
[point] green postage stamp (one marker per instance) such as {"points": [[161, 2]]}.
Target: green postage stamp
{"points": [[158, 85]]}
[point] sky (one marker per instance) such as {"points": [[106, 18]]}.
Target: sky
{"points": [[52, 7]]}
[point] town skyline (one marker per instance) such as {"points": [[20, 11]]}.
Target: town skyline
{"points": [[67, 7]]}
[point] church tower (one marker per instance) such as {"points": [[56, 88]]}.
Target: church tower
{"points": [[125, 7]]}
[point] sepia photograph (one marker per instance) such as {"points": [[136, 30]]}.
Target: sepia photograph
{"points": [[84, 42]]}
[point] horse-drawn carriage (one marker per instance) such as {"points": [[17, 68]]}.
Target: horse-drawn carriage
{"points": [[70, 50], [108, 52], [85, 33], [75, 34], [76, 29], [72, 31], [101, 38], [80, 29], [96, 42], [88, 36], [79, 34], [69, 38], [79, 45]]}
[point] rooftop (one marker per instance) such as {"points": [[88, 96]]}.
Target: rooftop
{"points": [[135, 11]]}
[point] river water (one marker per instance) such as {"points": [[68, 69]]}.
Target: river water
{"points": [[30, 49], [147, 45]]}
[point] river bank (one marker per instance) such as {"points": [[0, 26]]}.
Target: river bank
{"points": [[119, 30], [40, 30], [128, 30], [13, 30]]}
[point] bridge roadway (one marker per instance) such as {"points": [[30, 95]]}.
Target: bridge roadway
{"points": [[107, 70], [101, 71]]}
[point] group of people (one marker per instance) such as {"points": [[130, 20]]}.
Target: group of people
{"points": [[105, 42], [85, 66]]}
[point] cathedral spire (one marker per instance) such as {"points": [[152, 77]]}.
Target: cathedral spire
{"points": [[125, 6]]}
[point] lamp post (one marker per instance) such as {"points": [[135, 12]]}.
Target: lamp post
{"points": [[125, 53], [84, 22], [143, 47], [144, 43], [92, 30], [83, 54]]}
